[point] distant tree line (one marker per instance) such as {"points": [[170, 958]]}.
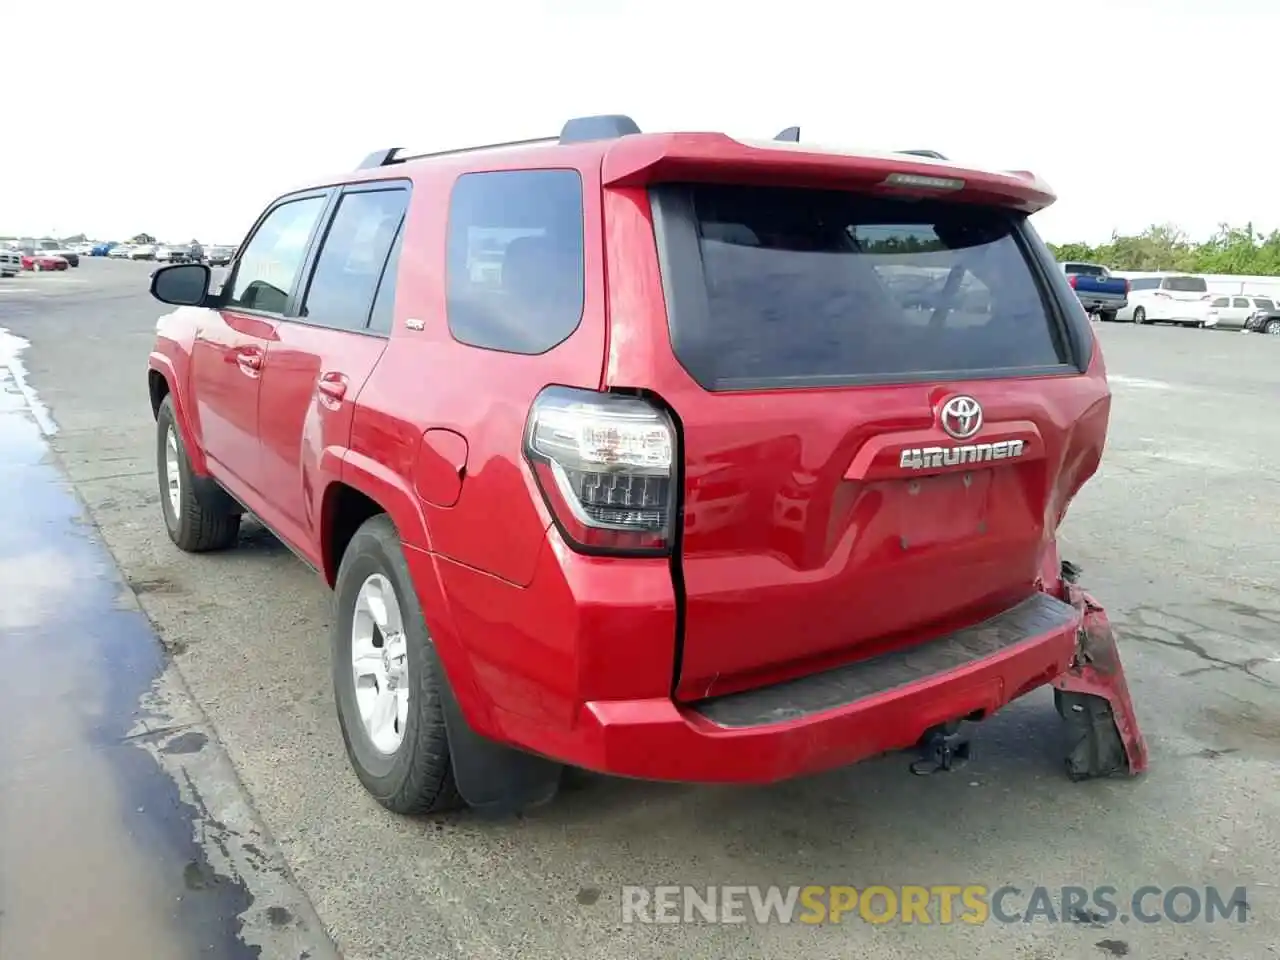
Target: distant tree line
{"points": [[1164, 247]]}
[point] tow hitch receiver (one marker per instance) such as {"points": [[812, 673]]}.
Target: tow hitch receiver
{"points": [[1093, 697], [942, 749]]}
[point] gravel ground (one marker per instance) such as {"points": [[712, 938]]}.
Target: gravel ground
{"points": [[1177, 536]]}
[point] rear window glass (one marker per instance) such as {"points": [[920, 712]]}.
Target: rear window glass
{"points": [[1085, 269], [1145, 283], [1263, 304], [1186, 284], [810, 286]]}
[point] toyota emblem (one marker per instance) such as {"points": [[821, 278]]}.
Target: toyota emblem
{"points": [[961, 417]]}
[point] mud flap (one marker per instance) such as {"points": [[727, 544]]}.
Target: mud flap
{"points": [[1092, 696], [494, 779]]}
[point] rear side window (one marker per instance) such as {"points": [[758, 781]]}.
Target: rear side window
{"points": [[515, 266], [352, 255], [801, 287], [1263, 304], [266, 273], [1186, 284], [1239, 302]]}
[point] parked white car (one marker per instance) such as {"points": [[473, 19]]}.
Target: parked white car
{"points": [[1182, 300], [171, 254], [145, 251], [1230, 313], [120, 251], [10, 262]]}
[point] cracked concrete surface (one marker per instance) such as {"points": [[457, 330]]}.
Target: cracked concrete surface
{"points": [[1177, 537]]}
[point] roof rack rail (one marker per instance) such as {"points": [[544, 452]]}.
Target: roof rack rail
{"points": [[933, 154], [604, 127], [379, 158], [790, 135]]}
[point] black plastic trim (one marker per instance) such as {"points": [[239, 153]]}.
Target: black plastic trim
{"points": [[1028, 621], [380, 158], [602, 127]]}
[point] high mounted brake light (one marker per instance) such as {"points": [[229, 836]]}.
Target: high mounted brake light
{"points": [[920, 181], [605, 464]]}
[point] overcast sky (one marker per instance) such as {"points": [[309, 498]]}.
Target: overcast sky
{"points": [[182, 119]]}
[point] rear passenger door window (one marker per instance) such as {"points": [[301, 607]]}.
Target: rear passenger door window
{"points": [[265, 275], [352, 257], [515, 272]]}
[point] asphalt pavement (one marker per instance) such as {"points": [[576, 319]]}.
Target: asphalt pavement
{"points": [[1178, 537]]}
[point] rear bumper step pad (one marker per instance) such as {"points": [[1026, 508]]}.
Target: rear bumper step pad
{"points": [[1034, 617]]}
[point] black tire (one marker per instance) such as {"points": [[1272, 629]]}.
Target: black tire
{"points": [[1139, 315], [1272, 327], [206, 519], [1107, 316], [417, 777]]}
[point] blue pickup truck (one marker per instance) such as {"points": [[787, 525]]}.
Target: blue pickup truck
{"points": [[1101, 294]]}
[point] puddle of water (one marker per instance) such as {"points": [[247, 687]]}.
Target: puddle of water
{"points": [[11, 348], [123, 830]]}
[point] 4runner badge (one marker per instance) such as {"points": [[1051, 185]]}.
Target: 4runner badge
{"points": [[961, 418], [925, 458]]}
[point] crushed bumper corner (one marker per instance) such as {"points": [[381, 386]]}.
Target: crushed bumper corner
{"points": [[1093, 697]]}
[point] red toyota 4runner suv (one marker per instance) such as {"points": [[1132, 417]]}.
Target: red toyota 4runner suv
{"points": [[669, 456]]}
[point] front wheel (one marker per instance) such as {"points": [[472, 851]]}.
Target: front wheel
{"points": [[196, 522], [1139, 315], [388, 679]]}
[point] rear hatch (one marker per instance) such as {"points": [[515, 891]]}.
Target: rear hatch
{"points": [[1193, 291], [882, 411]]}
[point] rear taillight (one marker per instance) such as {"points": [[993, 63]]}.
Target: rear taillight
{"points": [[1071, 279], [1127, 288], [606, 465]]}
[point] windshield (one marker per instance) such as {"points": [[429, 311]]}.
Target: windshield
{"points": [[805, 286], [1186, 284]]}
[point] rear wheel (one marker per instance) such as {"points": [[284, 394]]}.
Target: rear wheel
{"points": [[1273, 328], [1139, 315], [197, 520], [388, 679], [1107, 316]]}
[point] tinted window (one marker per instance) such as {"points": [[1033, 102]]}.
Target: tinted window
{"points": [[351, 258], [515, 269], [1220, 302], [807, 285], [1240, 302], [265, 275], [1186, 284], [384, 303], [1145, 283], [1264, 304], [1085, 269]]}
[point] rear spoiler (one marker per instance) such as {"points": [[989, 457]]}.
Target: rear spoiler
{"points": [[674, 157]]}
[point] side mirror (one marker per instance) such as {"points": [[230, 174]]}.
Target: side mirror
{"points": [[182, 284]]}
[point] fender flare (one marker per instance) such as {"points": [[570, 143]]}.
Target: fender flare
{"points": [[159, 363], [394, 496]]}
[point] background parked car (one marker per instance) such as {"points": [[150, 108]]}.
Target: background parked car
{"points": [[120, 251], [218, 256], [1101, 294], [1182, 300], [1233, 312], [57, 249], [171, 254], [37, 262], [1264, 321], [102, 249], [145, 251], [10, 262]]}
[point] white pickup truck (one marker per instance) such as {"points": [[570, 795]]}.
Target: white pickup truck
{"points": [[10, 262]]}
